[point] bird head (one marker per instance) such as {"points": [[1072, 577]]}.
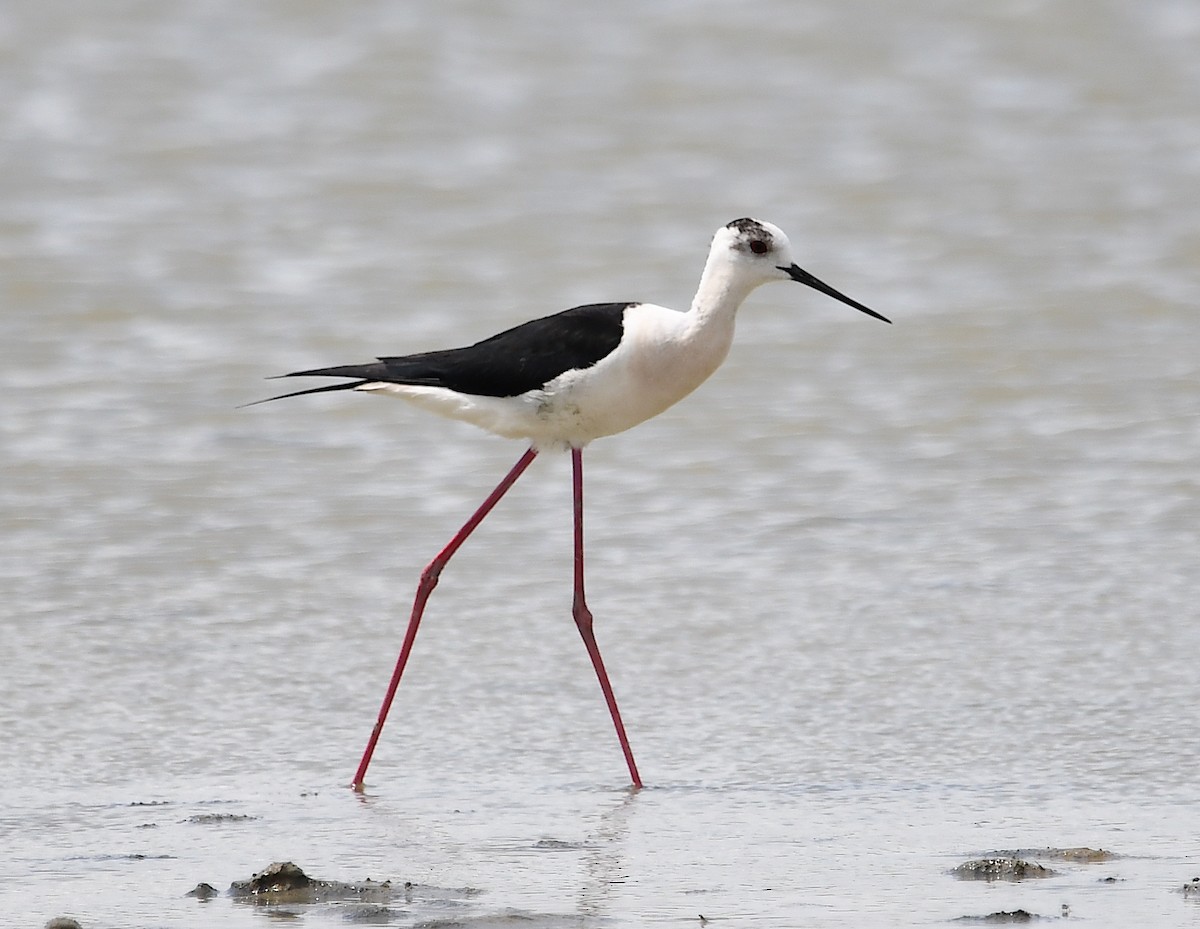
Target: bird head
{"points": [[762, 250]]}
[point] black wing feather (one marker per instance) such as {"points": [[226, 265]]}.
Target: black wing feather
{"points": [[513, 362]]}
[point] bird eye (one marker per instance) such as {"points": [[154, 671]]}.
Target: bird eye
{"points": [[758, 246]]}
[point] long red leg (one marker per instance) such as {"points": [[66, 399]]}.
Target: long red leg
{"points": [[583, 616], [429, 579]]}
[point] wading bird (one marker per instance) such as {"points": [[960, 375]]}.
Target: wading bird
{"points": [[561, 381]]}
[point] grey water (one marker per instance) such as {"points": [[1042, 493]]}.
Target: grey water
{"points": [[875, 600]]}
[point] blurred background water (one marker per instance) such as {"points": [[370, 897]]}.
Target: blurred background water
{"points": [[875, 599]]}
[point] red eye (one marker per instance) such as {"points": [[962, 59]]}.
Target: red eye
{"points": [[758, 246]]}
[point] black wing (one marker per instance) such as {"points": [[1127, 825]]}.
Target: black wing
{"points": [[517, 360]]}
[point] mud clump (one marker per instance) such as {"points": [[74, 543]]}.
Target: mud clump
{"points": [[213, 819], [1000, 868], [280, 877], [279, 882], [1078, 855], [285, 882], [283, 889]]}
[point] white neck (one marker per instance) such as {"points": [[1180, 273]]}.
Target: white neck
{"points": [[722, 290]]}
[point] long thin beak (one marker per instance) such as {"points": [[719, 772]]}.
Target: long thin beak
{"points": [[799, 274]]}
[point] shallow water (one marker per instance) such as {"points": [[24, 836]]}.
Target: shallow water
{"points": [[875, 601]]}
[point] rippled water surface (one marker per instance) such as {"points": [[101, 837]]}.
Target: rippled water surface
{"points": [[876, 600]]}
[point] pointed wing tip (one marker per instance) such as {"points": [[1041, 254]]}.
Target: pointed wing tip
{"points": [[300, 393]]}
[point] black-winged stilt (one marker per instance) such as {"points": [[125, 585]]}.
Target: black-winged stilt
{"points": [[564, 380]]}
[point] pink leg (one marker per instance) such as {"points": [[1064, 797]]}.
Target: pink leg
{"points": [[583, 616], [429, 579]]}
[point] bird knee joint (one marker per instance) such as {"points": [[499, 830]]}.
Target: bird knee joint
{"points": [[429, 577]]}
